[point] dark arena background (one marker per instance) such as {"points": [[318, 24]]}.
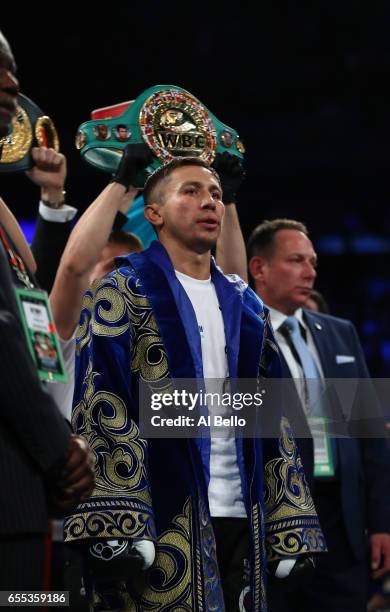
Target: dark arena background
{"points": [[304, 84]]}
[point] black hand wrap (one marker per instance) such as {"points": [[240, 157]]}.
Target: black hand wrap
{"points": [[231, 173], [113, 560], [300, 574], [136, 157]]}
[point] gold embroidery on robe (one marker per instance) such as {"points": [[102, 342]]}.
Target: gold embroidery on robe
{"points": [[168, 585], [291, 522]]}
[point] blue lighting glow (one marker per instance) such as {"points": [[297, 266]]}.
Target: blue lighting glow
{"points": [[28, 226]]}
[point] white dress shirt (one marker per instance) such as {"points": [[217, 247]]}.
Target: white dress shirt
{"points": [[277, 320]]}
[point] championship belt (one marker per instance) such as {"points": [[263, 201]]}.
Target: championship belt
{"points": [[170, 120], [29, 128]]}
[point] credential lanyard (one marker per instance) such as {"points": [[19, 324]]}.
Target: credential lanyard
{"points": [[15, 261]]}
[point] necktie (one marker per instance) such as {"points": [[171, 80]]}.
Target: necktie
{"points": [[315, 400], [313, 382]]}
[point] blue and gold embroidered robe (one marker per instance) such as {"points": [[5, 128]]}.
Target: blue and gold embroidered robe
{"points": [[138, 324]]}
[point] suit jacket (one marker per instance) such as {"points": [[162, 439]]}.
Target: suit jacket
{"points": [[48, 244], [363, 463], [138, 324], [34, 436]]}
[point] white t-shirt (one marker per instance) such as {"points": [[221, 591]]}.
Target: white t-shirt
{"points": [[224, 492]]}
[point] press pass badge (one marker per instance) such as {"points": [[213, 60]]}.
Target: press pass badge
{"points": [[41, 335], [323, 454]]}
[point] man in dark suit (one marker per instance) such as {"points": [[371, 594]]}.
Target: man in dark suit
{"points": [[353, 500], [42, 466]]}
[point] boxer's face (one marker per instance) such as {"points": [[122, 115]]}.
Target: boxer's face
{"points": [[191, 209]]}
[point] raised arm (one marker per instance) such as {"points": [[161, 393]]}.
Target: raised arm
{"points": [[54, 220], [88, 239], [231, 251]]}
